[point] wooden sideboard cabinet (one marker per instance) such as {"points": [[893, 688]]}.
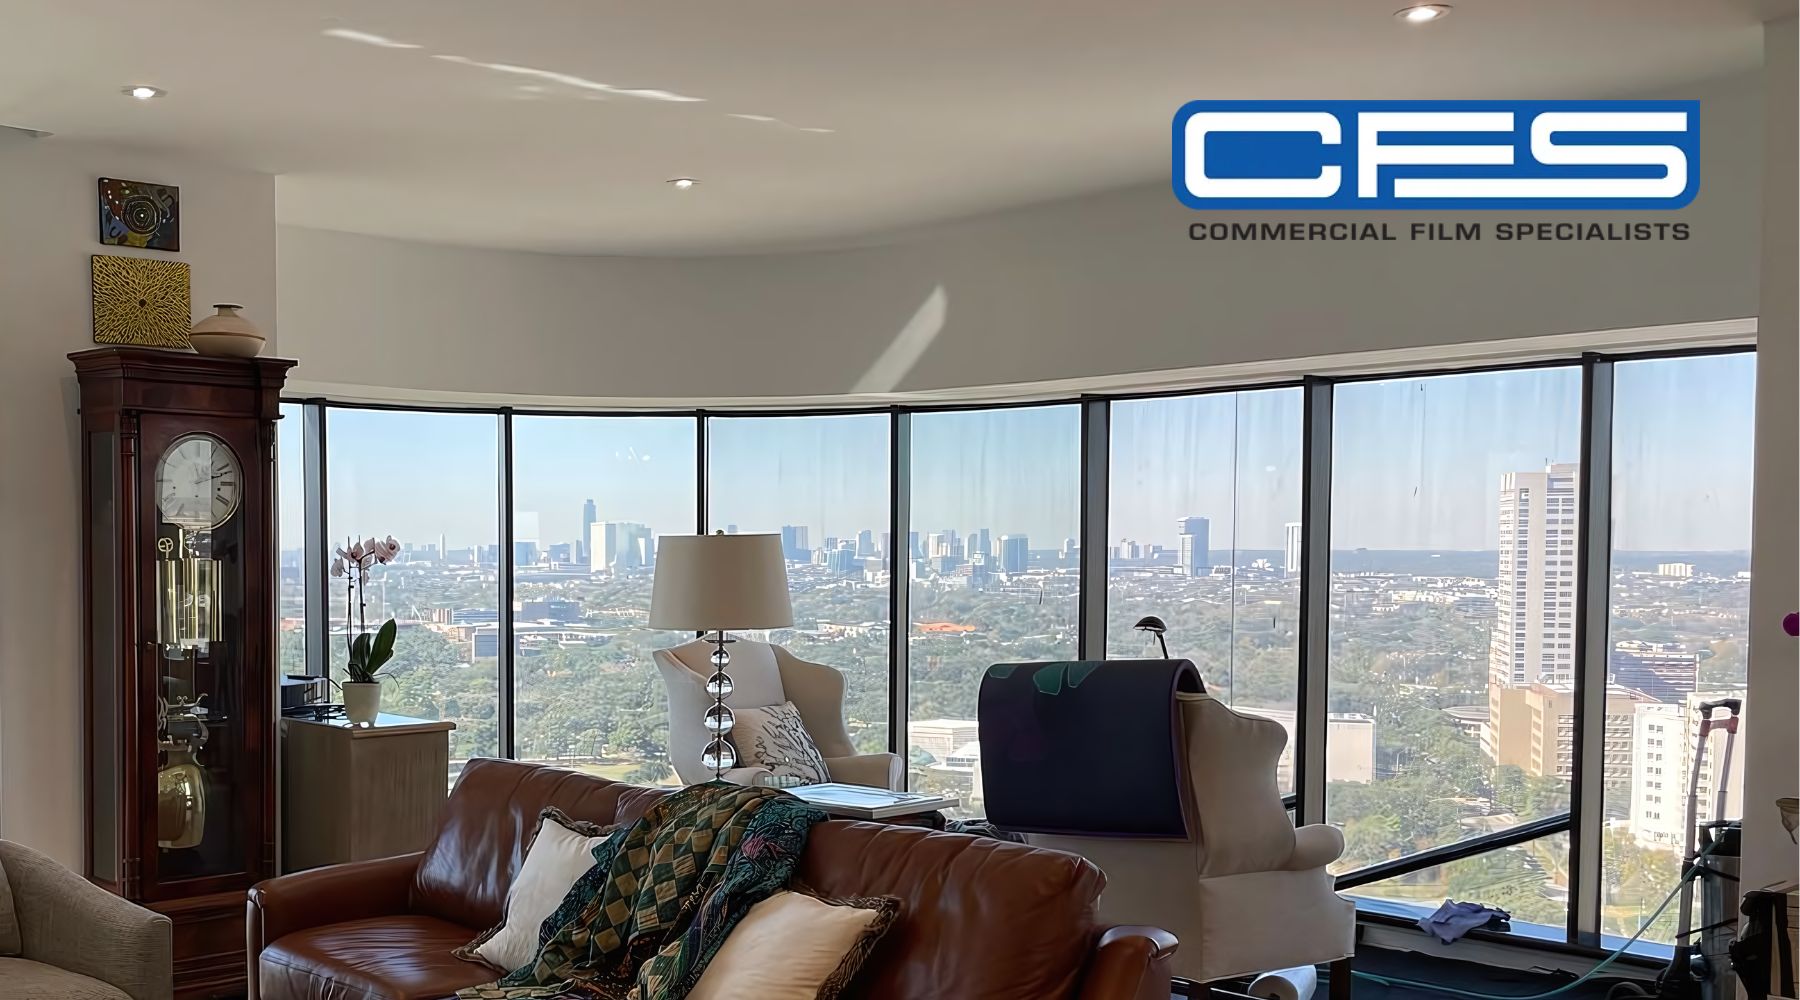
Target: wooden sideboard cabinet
{"points": [[354, 793]]}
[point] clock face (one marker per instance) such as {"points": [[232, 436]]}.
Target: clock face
{"points": [[198, 482]]}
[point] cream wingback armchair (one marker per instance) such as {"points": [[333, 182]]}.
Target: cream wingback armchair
{"points": [[62, 936], [1246, 892], [763, 674]]}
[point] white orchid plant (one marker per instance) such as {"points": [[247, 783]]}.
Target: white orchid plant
{"points": [[368, 654]]}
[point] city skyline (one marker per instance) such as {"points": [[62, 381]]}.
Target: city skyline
{"points": [[1431, 488]]}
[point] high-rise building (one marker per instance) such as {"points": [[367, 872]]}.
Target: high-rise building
{"points": [[1535, 729], [941, 545], [1196, 556], [980, 543], [590, 513], [865, 543], [841, 561], [1662, 752], [1015, 553], [1534, 624], [1678, 570], [1290, 562], [794, 544], [616, 545]]}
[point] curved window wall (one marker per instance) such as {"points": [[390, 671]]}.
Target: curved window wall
{"points": [[1437, 584]]}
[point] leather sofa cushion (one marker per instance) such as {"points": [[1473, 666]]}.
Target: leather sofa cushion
{"points": [[487, 825], [380, 958], [978, 918]]}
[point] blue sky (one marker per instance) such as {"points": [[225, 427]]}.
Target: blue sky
{"points": [[1416, 464]]}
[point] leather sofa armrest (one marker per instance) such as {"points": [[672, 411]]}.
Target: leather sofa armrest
{"points": [[279, 906], [875, 770], [1130, 963], [1316, 846]]}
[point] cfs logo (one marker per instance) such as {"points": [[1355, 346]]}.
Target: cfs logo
{"points": [[1437, 154]]}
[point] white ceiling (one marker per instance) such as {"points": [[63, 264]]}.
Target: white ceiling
{"points": [[552, 124]]}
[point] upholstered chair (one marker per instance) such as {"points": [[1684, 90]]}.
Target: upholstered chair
{"points": [[1246, 892], [63, 936], [762, 675]]}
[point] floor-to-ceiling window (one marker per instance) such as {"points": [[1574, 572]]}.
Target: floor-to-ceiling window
{"points": [[1452, 636], [994, 565], [1453, 659], [591, 496], [821, 483], [1203, 509], [432, 481], [1680, 612]]}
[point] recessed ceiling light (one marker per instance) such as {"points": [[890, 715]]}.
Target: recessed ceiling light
{"points": [[1421, 13], [683, 183], [143, 93]]}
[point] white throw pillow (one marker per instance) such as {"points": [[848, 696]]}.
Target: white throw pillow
{"points": [[776, 738], [793, 946], [561, 853]]}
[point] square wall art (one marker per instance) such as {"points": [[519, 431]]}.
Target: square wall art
{"points": [[141, 302], [136, 214]]}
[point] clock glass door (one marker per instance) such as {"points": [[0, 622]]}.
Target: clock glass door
{"points": [[197, 653]]}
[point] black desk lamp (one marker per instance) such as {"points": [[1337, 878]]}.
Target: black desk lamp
{"points": [[1155, 626]]}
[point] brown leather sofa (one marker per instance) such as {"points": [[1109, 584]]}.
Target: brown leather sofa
{"points": [[981, 920]]}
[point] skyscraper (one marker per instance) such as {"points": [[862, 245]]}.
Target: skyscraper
{"points": [[1534, 630], [794, 543], [1196, 556], [1290, 563], [865, 543], [590, 513], [617, 545], [1015, 553], [980, 543]]}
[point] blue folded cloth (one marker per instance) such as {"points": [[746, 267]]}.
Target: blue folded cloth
{"points": [[1452, 920]]}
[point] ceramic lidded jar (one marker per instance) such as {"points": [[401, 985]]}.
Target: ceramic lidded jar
{"points": [[226, 334]]}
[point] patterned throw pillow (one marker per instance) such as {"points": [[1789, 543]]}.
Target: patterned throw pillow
{"points": [[775, 738]]}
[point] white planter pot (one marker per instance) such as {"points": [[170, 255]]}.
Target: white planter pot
{"points": [[362, 702]]}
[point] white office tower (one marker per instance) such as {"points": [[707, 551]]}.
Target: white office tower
{"points": [[1534, 626]]}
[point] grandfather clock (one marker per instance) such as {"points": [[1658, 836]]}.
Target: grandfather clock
{"points": [[178, 549]]}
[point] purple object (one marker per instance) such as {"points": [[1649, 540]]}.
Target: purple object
{"points": [[1453, 920], [1792, 623]]}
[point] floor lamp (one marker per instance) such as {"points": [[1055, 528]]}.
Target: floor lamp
{"points": [[712, 583]]}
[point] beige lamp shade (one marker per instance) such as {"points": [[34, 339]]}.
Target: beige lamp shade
{"points": [[720, 582]]}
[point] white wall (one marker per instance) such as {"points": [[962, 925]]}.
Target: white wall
{"points": [[1095, 285], [1771, 751], [48, 229]]}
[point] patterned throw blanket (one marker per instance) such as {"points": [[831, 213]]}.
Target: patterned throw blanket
{"points": [[662, 895]]}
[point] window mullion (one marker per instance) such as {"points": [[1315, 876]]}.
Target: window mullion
{"points": [[1593, 578], [1313, 710], [508, 565], [899, 558], [1095, 470]]}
